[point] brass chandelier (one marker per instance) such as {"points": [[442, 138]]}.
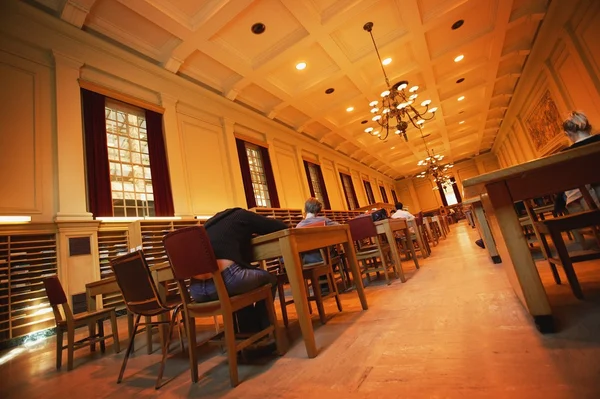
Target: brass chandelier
{"points": [[434, 168], [396, 109]]}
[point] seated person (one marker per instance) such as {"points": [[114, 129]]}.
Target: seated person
{"points": [[312, 208], [402, 214], [230, 233], [578, 129]]}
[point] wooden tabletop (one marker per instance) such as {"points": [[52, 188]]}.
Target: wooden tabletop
{"points": [[546, 172], [297, 232]]}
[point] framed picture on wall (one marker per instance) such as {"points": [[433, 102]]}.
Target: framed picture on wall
{"points": [[544, 125]]}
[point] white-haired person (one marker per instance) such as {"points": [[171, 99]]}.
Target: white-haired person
{"points": [[312, 208], [579, 131]]}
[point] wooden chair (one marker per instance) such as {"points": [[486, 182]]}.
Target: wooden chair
{"points": [[312, 272], [424, 232], [142, 298], [68, 322], [362, 228], [190, 253], [554, 228]]}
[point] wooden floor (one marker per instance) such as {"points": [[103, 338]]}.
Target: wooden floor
{"points": [[453, 330]]}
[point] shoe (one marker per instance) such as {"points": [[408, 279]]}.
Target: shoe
{"points": [[257, 351], [480, 243]]}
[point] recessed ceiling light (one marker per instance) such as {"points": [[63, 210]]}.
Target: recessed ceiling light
{"points": [[258, 28], [300, 66], [392, 148], [387, 61], [363, 122], [458, 24], [349, 109], [461, 98], [459, 58], [461, 122], [330, 90], [460, 80]]}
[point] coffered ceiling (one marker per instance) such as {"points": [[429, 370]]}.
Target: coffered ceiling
{"points": [[211, 43]]}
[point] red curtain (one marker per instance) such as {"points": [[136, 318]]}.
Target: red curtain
{"points": [[442, 194], [456, 190], [96, 154], [264, 153], [159, 167]]}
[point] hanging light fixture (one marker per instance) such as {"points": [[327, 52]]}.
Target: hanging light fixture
{"points": [[437, 172], [395, 110]]}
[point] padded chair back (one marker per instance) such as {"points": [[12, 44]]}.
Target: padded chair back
{"points": [[362, 227], [56, 296], [54, 290], [419, 219], [190, 252], [137, 285]]}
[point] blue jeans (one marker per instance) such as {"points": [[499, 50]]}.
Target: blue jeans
{"points": [[239, 280]]}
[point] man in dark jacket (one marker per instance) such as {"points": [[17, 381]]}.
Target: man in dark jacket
{"points": [[230, 233]]}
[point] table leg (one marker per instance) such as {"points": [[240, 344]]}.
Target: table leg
{"points": [[410, 245], [521, 270], [354, 269], [293, 268], [424, 250], [485, 232], [389, 234]]}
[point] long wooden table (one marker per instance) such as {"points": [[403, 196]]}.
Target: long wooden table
{"points": [[285, 243], [289, 243], [388, 227], [545, 176], [483, 227]]}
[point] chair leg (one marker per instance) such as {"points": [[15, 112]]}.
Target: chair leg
{"points": [[273, 320], [331, 277], [92, 332], [308, 294], [59, 347], [115, 331], [567, 265], [231, 349], [165, 348], [180, 312], [281, 295], [129, 348], [190, 328], [101, 335], [314, 280], [70, 348]]}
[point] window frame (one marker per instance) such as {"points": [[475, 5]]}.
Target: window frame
{"points": [[369, 192], [245, 167], [324, 197], [384, 196], [394, 196], [349, 192]]}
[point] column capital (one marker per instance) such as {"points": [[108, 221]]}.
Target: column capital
{"points": [[228, 124], [66, 60], [168, 100]]}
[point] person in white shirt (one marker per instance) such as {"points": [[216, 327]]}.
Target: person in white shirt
{"points": [[402, 214]]}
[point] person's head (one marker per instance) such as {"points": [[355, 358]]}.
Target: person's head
{"points": [[577, 126], [312, 205], [399, 206]]}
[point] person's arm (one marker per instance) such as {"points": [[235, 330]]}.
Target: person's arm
{"points": [[329, 222], [264, 225]]}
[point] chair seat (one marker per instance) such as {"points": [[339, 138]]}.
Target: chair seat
{"points": [[570, 222], [84, 318], [237, 302], [369, 253]]}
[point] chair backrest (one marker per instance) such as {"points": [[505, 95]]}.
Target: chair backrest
{"points": [[419, 219], [137, 285], [190, 252], [362, 227], [57, 297]]}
